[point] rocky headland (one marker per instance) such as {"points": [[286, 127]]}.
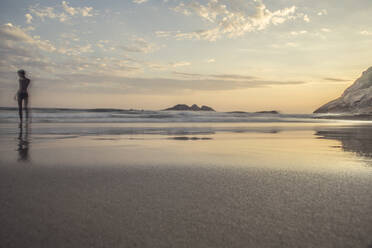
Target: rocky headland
{"points": [[356, 100]]}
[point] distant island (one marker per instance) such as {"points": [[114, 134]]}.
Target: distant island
{"points": [[184, 107], [273, 112]]}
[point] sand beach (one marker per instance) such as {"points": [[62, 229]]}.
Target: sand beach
{"points": [[210, 185]]}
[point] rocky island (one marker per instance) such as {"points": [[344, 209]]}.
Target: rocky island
{"points": [[357, 99], [273, 112], [194, 107]]}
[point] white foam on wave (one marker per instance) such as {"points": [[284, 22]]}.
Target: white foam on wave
{"points": [[138, 116]]}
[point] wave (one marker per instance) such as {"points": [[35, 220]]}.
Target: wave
{"points": [[64, 115]]}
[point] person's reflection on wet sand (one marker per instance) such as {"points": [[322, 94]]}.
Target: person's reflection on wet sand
{"points": [[23, 144]]}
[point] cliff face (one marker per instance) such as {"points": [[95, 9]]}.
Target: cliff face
{"points": [[355, 99]]}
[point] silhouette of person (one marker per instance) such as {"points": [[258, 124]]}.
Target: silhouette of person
{"points": [[22, 93], [23, 145]]}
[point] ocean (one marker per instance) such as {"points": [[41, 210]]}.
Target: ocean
{"points": [[63, 115]]}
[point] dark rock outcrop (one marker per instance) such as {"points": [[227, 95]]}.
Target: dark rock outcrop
{"points": [[274, 112], [206, 108], [179, 107], [271, 112], [356, 99], [194, 107]]}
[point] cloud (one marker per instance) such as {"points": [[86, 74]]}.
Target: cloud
{"points": [[13, 34], [365, 32], [139, 1], [322, 12], [179, 64], [306, 18], [28, 18], [19, 49], [295, 33], [79, 73], [189, 75], [16, 54], [62, 12], [326, 30], [314, 34], [285, 45], [214, 76], [210, 61], [70, 36], [335, 79], [76, 50], [163, 33], [292, 44], [139, 45], [72, 11], [230, 20], [105, 45], [159, 85], [48, 12], [84, 11]]}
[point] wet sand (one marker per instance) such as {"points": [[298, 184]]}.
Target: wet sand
{"points": [[208, 193], [182, 207]]}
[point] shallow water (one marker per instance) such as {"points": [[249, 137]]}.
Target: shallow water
{"points": [[332, 147]]}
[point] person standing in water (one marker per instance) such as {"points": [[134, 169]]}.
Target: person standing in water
{"points": [[22, 93]]}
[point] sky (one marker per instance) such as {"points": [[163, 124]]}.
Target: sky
{"points": [[250, 55]]}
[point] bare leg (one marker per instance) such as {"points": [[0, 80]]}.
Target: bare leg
{"points": [[26, 107], [20, 108]]}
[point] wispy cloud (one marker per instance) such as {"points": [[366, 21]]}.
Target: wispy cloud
{"points": [[105, 45], [13, 34], [322, 12], [84, 11], [214, 76], [139, 1], [28, 18], [162, 85], [365, 32], [295, 33], [21, 50], [306, 18], [48, 12], [180, 63], [76, 49], [285, 45], [335, 79], [230, 22], [326, 30], [139, 45], [61, 12]]}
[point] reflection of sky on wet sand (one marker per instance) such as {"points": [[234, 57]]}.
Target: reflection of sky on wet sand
{"points": [[301, 185], [296, 147]]}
